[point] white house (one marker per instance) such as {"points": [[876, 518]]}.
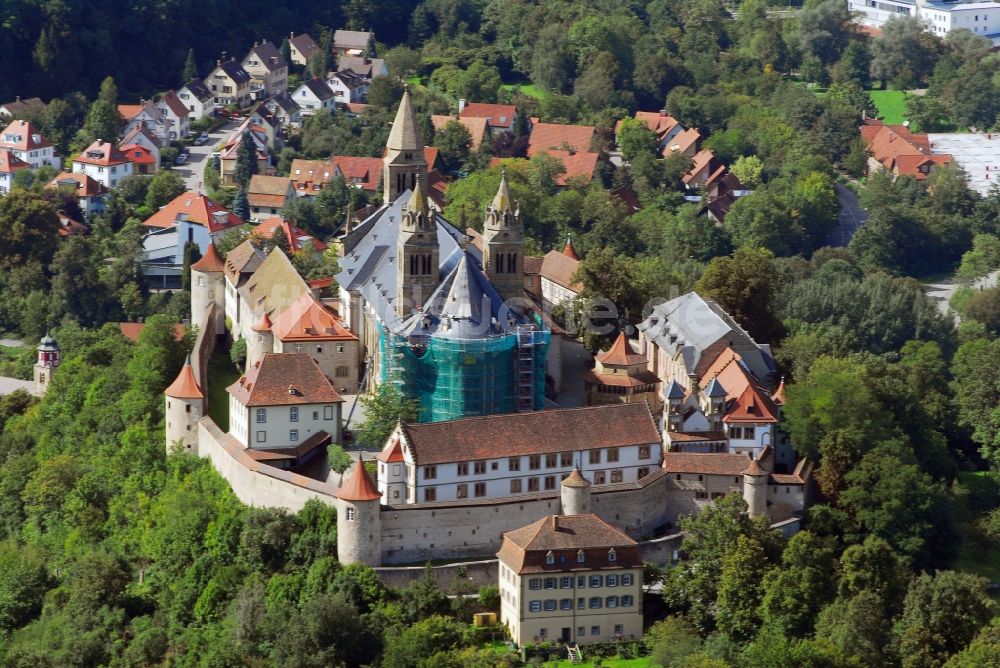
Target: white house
{"points": [[940, 18], [284, 401], [27, 144], [145, 115], [176, 115], [285, 109], [268, 69], [103, 162], [348, 86], [10, 164], [514, 454], [90, 194], [198, 99], [314, 96], [301, 47]]}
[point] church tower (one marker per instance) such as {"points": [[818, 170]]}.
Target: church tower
{"points": [[46, 363], [404, 156], [417, 254], [503, 243]]}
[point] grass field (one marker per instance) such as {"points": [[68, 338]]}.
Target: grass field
{"points": [[7, 351], [891, 105], [221, 374], [528, 89]]}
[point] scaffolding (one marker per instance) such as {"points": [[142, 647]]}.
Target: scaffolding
{"points": [[454, 378]]}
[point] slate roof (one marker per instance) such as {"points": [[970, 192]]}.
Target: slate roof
{"points": [[525, 550], [268, 55], [234, 71], [538, 432], [198, 88], [284, 379], [319, 88]]}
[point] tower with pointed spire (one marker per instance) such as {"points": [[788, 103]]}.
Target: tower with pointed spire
{"points": [[359, 520], [185, 405], [46, 362], [404, 156], [503, 243], [417, 253], [208, 287]]}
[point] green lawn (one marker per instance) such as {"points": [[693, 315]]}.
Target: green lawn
{"points": [[528, 89], [891, 105], [9, 352], [221, 374]]}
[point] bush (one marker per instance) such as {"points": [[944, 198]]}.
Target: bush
{"points": [[238, 353]]}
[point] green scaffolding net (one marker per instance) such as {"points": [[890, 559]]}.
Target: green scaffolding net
{"points": [[461, 378]]}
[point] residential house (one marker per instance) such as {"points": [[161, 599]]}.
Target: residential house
{"points": [[478, 127], [297, 237], [90, 194], [353, 42], [141, 136], [459, 459], [557, 271], [144, 160], [499, 117], [230, 151], [269, 122], [363, 173], [903, 153], [314, 96], [176, 115], [667, 129], [268, 69], [309, 176], [685, 142], [302, 47], [348, 86], [10, 164], [33, 105], [285, 110], [284, 407], [268, 195], [146, 115], [720, 195], [230, 84], [548, 136], [68, 227], [368, 68], [27, 144], [620, 376], [705, 169], [198, 98], [103, 162], [188, 218], [570, 579]]}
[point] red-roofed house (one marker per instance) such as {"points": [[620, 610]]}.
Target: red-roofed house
{"points": [[478, 127], [557, 277], [704, 167], [620, 376], [364, 173], [560, 137], [145, 161], [902, 152], [103, 162], [10, 164], [297, 237], [268, 195], [662, 124], [580, 165], [26, 143], [90, 194], [497, 116]]}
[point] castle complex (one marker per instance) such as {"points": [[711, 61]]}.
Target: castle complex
{"points": [[686, 414]]}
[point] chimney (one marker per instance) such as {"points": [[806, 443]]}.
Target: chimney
{"points": [[17, 99], [663, 112], [461, 105], [291, 35]]}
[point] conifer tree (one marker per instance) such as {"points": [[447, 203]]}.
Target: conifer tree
{"points": [[241, 205], [246, 161], [190, 68]]}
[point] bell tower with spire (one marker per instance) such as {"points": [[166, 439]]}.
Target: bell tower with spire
{"points": [[417, 254], [503, 243], [404, 156]]}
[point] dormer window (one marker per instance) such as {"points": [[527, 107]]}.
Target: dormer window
{"points": [[580, 557], [612, 555], [550, 558]]}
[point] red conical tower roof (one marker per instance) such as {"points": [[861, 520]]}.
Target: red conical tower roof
{"points": [[211, 262], [358, 486], [568, 250], [621, 353], [779, 394], [264, 325], [184, 386]]}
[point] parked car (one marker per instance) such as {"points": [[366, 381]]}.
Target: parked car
{"points": [[201, 139], [181, 159]]}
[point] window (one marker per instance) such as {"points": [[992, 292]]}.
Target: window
{"points": [[595, 630], [627, 580], [678, 476], [566, 459], [565, 604], [298, 347], [612, 454], [293, 414], [463, 469], [535, 583], [430, 494], [480, 489], [535, 606], [550, 482], [543, 633], [612, 555], [494, 466], [550, 583], [550, 461], [599, 477], [293, 435], [479, 468], [550, 558], [514, 464], [595, 456], [315, 416], [643, 452], [327, 412], [515, 486], [595, 581], [342, 371], [462, 491], [701, 478], [550, 604], [319, 349], [628, 601], [611, 581], [580, 557], [581, 630], [595, 602], [581, 581], [619, 629], [566, 582], [616, 476], [261, 436], [340, 347], [261, 415], [430, 472], [535, 462], [701, 495], [581, 603], [532, 484], [642, 472], [611, 602], [350, 514]]}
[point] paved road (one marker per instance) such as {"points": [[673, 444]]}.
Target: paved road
{"points": [[193, 171], [943, 290], [849, 219]]}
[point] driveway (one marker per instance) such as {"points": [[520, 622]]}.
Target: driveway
{"points": [[849, 219], [942, 291], [193, 172]]}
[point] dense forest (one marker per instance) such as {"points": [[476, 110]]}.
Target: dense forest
{"points": [[114, 553]]}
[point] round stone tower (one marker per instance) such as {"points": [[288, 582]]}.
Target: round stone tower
{"points": [[260, 341], [574, 495], [359, 520], [185, 405], [46, 362], [755, 489], [208, 286]]}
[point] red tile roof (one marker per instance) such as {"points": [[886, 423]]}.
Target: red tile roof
{"points": [[102, 154], [392, 452], [683, 142], [753, 405], [577, 164], [358, 485], [692, 437], [477, 127], [307, 319], [621, 353], [83, 185], [284, 379], [538, 432], [11, 163], [717, 463], [659, 122], [139, 154], [560, 269], [497, 115], [363, 172], [196, 208], [525, 550], [701, 162], [558, 136], [132, 330], [297, 237], [22, 136], [184, 386], [569, 251], [210, 262]]}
